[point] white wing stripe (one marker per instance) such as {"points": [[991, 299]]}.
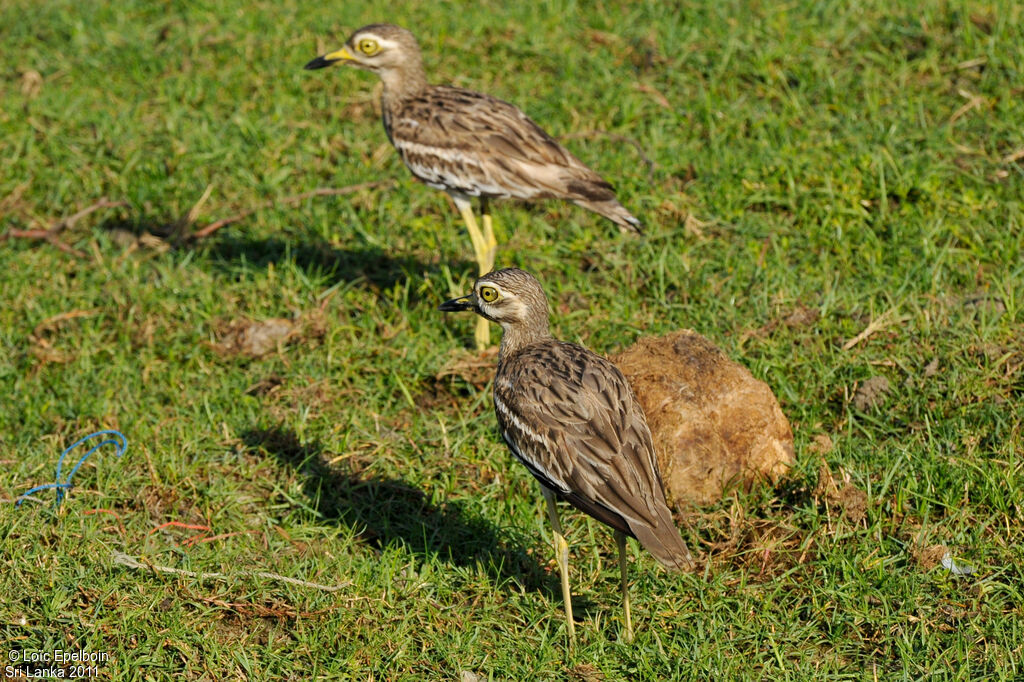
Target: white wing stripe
{"points": [[533, 465], [523, 428]]}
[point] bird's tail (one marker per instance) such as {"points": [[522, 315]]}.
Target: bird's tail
{"points": [[664, 542], [615, 212]]}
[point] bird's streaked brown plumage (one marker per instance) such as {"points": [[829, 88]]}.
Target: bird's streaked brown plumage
{"points": [[571, 418], [468, 143]]}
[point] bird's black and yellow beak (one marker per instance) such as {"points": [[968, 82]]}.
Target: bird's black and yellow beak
{"points": [[455, 305], [342, 55]]}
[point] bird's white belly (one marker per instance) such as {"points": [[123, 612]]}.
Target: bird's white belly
{"points": [[454, 169]]}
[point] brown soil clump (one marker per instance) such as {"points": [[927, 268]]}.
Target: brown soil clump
{"points": [[713, 423]]}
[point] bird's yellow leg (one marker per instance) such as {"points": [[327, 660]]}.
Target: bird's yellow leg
{"points": [[482, 334], [475, 236], [490, 243], [562, 557], [620, 539]]}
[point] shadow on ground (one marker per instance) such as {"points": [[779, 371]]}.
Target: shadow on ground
{"points": [[386, 511], [234, 248], [374, 265]]}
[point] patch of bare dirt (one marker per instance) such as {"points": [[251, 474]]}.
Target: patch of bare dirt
{"points": [[801, 317], [821, 444], [928, 557], [257, 338], [872, 393], [586, 672], [841, 497]]}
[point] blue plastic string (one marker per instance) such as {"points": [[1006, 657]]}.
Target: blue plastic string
{"points": [[120, 442]]}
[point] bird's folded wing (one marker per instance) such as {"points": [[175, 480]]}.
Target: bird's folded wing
{"points": [[470, 132], [587, 435]]}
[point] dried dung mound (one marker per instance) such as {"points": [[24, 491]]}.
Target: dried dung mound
{"points": [[713, 423]]}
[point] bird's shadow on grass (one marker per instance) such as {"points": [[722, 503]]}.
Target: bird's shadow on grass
{"points": [[233, 251], [379, 269], [389, 511]]}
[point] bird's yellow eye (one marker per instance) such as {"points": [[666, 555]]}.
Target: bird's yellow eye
{"points": [[489, 294], [368, 46]]}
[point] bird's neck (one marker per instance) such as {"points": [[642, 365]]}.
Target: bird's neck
{"points": [[516, 337], [402, 84]]}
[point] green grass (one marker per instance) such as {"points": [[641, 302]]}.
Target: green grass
{"points": [[826, 149]]}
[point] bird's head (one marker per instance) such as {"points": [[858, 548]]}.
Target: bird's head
{"points": [[378, 47], [511, 297]]}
